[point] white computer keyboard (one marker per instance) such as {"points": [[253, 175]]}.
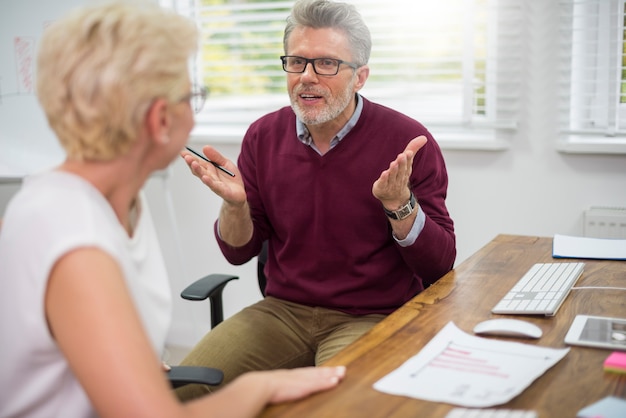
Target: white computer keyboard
{"points": [[491, 413], [541, 290]]}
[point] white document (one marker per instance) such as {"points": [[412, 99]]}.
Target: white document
{"points": [[564, 246], [465, 370]]}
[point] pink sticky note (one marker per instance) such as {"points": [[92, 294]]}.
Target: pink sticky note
{"points": [[616, 362]]}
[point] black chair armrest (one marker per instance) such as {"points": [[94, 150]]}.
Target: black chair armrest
{"points": [[184, 375], [207, 286], [211, 287]]}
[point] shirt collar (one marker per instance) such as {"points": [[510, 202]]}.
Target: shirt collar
{"points": [[305, 137]]}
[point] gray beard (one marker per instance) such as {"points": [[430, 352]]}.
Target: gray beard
{"points": [[334, 108]]}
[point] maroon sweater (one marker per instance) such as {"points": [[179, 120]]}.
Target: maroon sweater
{"points": [[330, 243]]}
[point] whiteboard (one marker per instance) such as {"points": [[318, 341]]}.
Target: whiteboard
{"points": [[27, 144]]}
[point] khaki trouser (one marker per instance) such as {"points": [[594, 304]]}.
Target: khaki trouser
{"points": [[274, 334]]}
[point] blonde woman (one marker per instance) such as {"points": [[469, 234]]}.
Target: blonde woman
{"points": [[85, 306]]}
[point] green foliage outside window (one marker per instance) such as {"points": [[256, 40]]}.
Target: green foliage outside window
{"points": [[240, 53]]}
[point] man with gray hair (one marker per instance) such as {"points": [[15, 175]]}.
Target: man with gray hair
{"points": [[348, 195]]}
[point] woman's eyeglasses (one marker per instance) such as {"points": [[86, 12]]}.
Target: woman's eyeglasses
{"points": [[196, 97]]}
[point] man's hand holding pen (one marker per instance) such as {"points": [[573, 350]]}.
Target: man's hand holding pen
{"points": [[217, 172], [216, 165]]}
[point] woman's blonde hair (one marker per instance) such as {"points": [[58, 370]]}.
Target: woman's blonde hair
{"points": [[99, 68]]}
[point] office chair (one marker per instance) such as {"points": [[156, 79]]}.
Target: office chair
{"points": [[184, 375], [211, 287]]}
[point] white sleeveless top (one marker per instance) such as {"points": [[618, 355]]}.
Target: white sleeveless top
{"points": [[53, 213]]}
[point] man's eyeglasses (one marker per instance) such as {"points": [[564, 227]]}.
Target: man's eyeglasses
{"points": [[196, 98], [321, 66]]}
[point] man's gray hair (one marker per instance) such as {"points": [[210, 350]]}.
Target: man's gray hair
{"points": [[329, 14]]}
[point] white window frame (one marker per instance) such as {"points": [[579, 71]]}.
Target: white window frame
{"points": [[592, 116], [491, 131]]}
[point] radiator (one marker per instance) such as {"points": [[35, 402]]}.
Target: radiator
{"points": [[604, 222]]}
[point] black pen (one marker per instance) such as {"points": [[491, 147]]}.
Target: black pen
{"points": [[219, 167]]}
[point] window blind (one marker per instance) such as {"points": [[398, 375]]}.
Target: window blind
{"points": [[454, 65], [592, 103]]}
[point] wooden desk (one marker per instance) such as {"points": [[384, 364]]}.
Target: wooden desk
{"points": [[466, 296]]}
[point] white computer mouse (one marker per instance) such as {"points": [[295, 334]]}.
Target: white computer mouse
{"points": [[508, 327]]}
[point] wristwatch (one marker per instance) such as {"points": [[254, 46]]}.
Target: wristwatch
{"points": [[404, 211]]}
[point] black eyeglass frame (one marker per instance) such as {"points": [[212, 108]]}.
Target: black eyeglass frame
{"points": [[283, 59]]}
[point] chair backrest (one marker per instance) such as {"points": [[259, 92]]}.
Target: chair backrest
{"points": [[261, 260]]}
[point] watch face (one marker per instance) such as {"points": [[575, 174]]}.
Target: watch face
{"points": [[404, 211]]}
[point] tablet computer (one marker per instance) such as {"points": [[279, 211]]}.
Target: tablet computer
{"points": [[598, 331]]}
